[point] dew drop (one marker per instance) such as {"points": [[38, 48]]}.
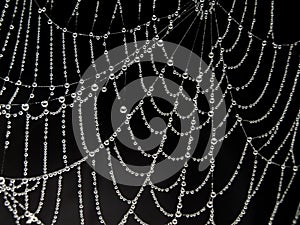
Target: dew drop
{"points": [[44, 104], [185, 75], [124, 67], [2, 181], [25, 107], [123, 109], [111, 68], [170, 62], [160, 43], [95, 87]]}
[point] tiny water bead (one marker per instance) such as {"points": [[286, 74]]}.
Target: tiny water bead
{"points": [[199, 79], [25, 107], [160, 43], [209, 204], [137, 59], [214, 141], [123, 109], [95, 87], [111, 68], [124, 67], [61, 99], [112, 76], [213, 194], [170, 62], [2, 181], [44, 103], [185, 75]]}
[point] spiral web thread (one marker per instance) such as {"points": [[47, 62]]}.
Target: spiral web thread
{"points": [[19, 41]]}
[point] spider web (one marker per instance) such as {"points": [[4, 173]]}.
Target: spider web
{"points": [[47, 46]]}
